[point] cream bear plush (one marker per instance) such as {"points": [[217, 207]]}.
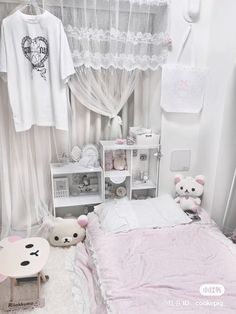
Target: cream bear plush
{"points": [[68, 231], [189, 191]]}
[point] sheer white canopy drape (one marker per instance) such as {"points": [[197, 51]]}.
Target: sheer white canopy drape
{"points": [[104, 92], [111, 41], [24, 169]]}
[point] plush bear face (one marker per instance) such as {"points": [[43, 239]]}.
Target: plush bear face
{"points": [[189, 186], [22, 257], [66, 232]]}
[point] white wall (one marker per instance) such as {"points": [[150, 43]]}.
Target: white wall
{"points": [[218, 128], [181, 131], [147, 111], [210, 135], [226, 161]]}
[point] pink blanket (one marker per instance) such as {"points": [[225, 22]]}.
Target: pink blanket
{"points": [[161, 270]]}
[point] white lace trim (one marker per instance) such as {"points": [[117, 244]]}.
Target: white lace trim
{"points": [[97, 272], [128, 62], [116, 35], [80, 285]]}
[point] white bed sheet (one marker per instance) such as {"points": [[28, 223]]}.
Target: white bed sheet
{"points": [[124, 215]]}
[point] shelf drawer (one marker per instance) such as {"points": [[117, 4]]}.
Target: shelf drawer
{"points": [[77, 200], [140, 194], [143, 186], [117, 173]]}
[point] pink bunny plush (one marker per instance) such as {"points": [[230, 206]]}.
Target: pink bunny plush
{"points": [[189, 190]]}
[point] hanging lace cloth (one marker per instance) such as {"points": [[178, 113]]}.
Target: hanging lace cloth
{"points": [[105, 92], [120, 33]]}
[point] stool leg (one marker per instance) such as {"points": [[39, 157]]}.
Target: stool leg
{"points": [[43, 277], [12, 284], [38, 284]]}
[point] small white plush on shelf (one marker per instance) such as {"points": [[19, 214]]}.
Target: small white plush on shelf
{"points": [[188, 191], [68, 231]]}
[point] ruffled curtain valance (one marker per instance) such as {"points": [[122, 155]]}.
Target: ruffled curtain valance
{"points": [[124, 34]]}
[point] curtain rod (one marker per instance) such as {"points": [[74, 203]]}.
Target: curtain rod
{"points": [[56, 3]]}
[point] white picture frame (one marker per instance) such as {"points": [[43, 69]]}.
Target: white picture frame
{"points": [[61, 187]]}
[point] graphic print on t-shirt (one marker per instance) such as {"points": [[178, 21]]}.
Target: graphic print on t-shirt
{"points": [[36, 51]]}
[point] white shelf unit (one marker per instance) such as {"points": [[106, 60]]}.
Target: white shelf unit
{"points": [[86, 198], [116, 173], [135, 185]]}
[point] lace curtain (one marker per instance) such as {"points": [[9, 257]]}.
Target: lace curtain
{"points": [[105, 92], [104, 35], [120, 33]]}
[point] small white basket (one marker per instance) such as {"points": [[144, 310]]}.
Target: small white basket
{"points": [[147, 139]]}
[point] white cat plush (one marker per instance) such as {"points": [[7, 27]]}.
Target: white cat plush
{"points": [[188, 191]]}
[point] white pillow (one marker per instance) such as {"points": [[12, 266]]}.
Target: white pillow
{"points": [[109, 218], [125, 215]]}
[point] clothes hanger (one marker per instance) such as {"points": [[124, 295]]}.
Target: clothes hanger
{"points": [[192, 11], [33, 7]]}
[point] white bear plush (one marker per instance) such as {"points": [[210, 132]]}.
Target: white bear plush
{"points": [[189, 191], [68, 231]]}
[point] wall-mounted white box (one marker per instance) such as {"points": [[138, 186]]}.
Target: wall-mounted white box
{"points": [[180, 160]]}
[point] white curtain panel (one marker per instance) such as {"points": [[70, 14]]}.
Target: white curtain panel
{"points": [[25, 188], [89, 127], [147, 111], [24, 169], [125, 34], [104, 92]]}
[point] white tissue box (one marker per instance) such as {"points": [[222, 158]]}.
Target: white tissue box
{"points": [[134, 131], [147, 139]]}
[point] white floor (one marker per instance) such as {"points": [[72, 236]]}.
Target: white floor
{"points": [[57, 291]]}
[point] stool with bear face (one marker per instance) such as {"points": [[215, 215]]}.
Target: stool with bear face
{"points": [[23, 259]]}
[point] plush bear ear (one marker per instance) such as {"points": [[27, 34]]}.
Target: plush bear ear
{"points": [[2, 278], [4, 242], [10, 239], [59, 219], [14, 238], [48, 222], [178, 178], [200, 179], [83, 220]]}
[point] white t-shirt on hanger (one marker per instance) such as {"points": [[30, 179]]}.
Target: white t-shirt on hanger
{"points": [[35, 55]]}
